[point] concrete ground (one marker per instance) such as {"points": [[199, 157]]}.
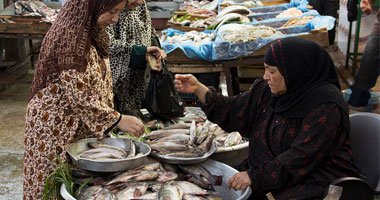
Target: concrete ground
{"points": [[13, 101]]}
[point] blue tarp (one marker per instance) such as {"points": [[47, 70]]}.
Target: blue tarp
{"points": [[223, 50]]}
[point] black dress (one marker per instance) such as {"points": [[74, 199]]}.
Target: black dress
{"points": [[291, 158]]}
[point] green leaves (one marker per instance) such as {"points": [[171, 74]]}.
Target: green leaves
{"points": [[61, 175]]}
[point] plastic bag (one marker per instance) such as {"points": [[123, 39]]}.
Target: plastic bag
{"points": [[162, 99]]}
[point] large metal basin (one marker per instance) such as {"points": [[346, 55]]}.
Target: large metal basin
{"points": [[108, 165], [215, 168], [232, 156]]}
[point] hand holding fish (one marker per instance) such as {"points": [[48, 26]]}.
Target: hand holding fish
{"points": [[187, 83], [131, 124], [239, 181]]}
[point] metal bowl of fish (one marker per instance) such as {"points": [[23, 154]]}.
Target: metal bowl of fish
{"points": [[109, 154]]}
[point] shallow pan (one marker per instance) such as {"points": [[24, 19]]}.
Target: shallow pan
{"points": [[77, 147]]}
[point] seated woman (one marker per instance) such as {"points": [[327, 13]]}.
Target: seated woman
{"points": [[296, 121]]}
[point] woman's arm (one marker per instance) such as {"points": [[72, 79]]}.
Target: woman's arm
{"points": [[99, 116], [230, 113]]}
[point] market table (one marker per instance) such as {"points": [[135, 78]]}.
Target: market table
{"points": [[20, 28], [178, 62]]}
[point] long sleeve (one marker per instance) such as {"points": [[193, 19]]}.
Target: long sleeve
{"points": [[234, 113], [86, 102], [139, 59], [318, 138]]}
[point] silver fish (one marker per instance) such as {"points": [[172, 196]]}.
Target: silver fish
{"points": [[193, 132], [232, 139], [170, 191], [192, 189], [132, 150], [167, 147], [177, 126], [132, 191], [205, 146], [166, 177], [134, 176], [164, 133], [102, 153], [96, 193]]}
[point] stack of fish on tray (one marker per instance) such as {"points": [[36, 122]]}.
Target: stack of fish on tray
{"points": [[99, 151], [190, 139], [182, 140], [35, 8], [151, 181]]}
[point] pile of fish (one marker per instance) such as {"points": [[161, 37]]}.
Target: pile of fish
{"points": [[182, 141], [190, 139], [193, 37], [35, 8], [245, 33], [150, 182], [99, 151]]}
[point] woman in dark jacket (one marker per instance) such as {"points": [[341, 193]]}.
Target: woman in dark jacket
{"points": [[295, 118]]}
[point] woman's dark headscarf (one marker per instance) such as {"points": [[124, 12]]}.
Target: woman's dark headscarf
{"points": [[309, 74]]}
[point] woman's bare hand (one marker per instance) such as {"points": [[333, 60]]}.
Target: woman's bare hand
{"points": [[131, 124]]}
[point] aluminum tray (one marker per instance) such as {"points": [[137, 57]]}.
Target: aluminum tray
{"points": [[180, 160], [108, 165], [215, 168]]}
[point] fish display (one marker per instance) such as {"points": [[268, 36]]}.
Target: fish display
{"points": [[99, 151], [157, 183], [36, 8], [245, 33]]}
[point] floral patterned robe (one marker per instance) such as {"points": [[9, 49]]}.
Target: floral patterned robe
{"points": [[72, 106]]}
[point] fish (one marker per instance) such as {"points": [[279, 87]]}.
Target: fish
{"points": [[234, 9], [96, 193], [193, 132], [192, 189], [132, 150], [101, 145], [167, 147], [186, 154], [102, 153], [205, 146], [147, 196], [232, 139], [170, 191], [164, 133], [148, 167], [177, 126], [164, 177], [176, 138], [201, 177], [134, 176], [132, 191]]}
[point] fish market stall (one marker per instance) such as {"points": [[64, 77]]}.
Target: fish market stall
{"points": [[23, 21], [238, 49]]}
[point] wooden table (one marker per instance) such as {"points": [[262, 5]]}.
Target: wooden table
{"points": [[24, 28]]}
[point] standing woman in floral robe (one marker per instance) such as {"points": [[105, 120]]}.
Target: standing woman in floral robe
{"points": [[131, 38], [71, 96]]}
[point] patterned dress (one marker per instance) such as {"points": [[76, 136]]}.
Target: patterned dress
{"points": [[134, 28], [72, 106], [293, 158]]}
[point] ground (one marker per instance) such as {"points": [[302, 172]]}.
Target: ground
{"points": [[13, 101]]}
